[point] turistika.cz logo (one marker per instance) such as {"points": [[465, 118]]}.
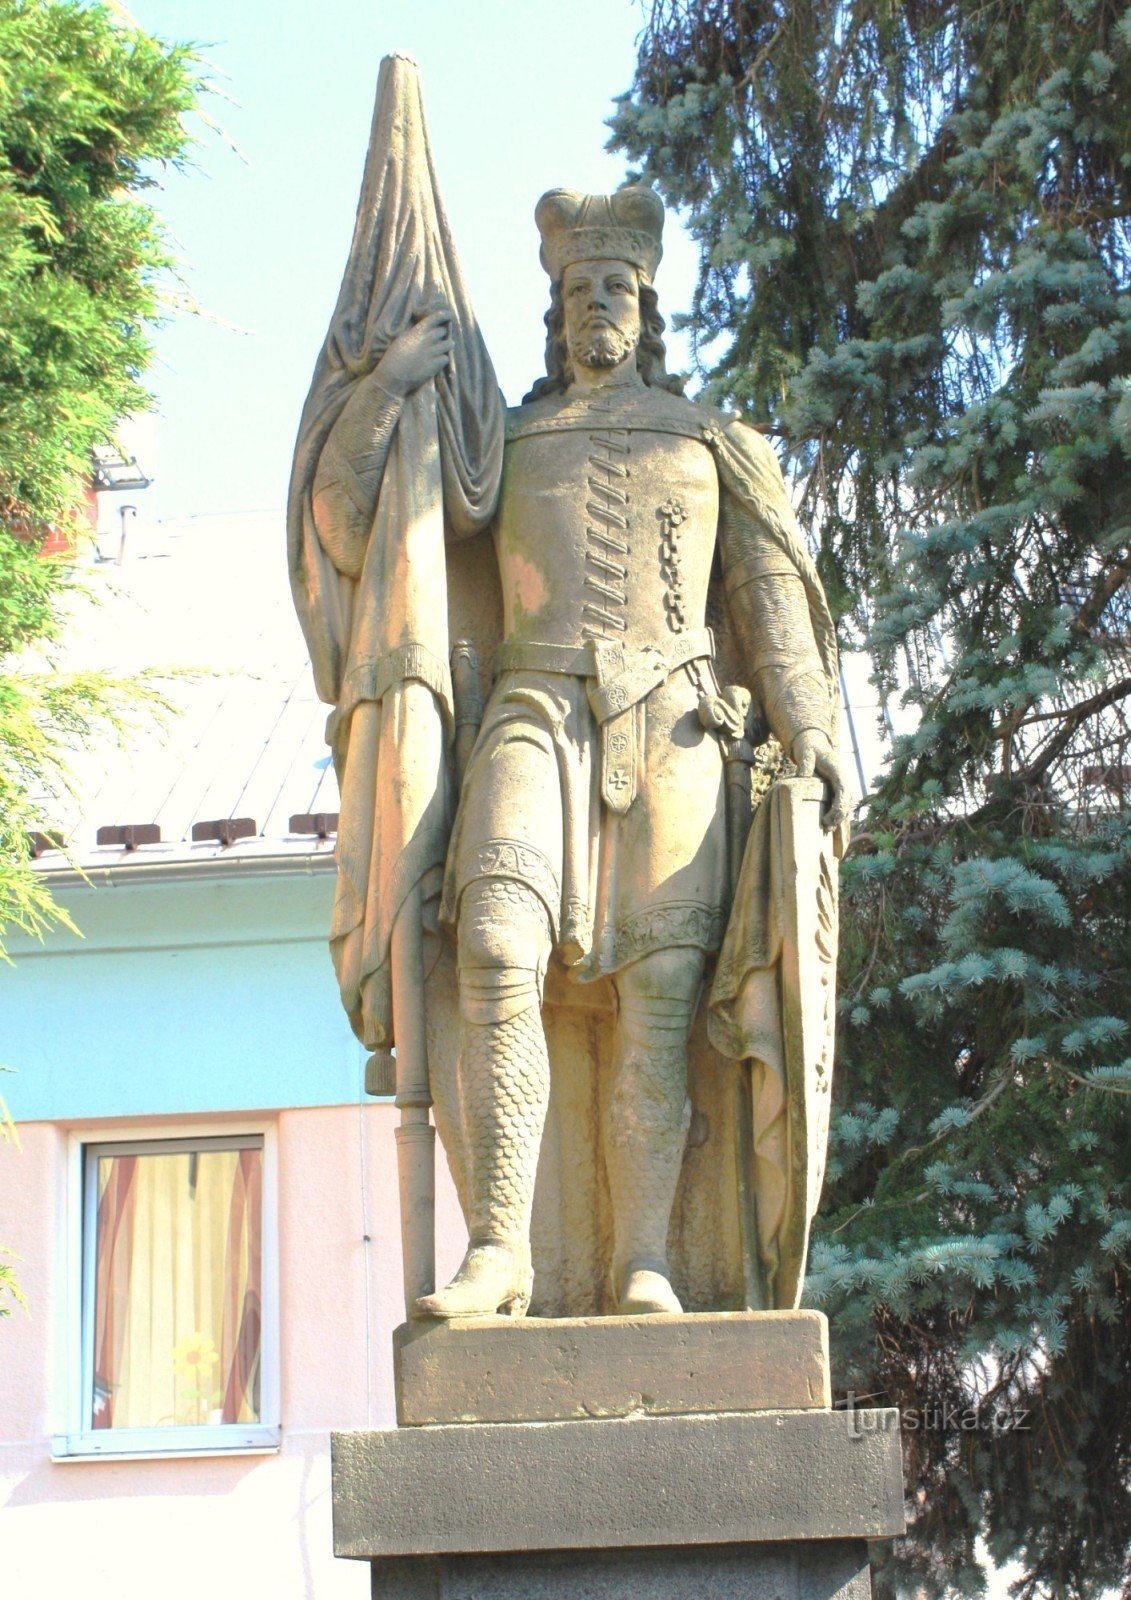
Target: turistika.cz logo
{"points": [[864, 1419]]}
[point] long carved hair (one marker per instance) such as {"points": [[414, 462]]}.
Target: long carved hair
{"points": [[651, 356]]}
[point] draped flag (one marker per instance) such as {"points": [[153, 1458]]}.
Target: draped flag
{"points": [[379, 641], [773, 1009]]}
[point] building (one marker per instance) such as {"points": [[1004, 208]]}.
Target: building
{"points": [[203, 1201]]}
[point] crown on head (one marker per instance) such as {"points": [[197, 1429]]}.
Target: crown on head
{"points": [[625, 226]]}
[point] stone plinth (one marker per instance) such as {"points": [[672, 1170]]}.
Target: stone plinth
{"points": [[834, 1571], [613, 1483], [542, 1369]]}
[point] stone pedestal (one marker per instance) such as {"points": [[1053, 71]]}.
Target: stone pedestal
{"points": [[560, 1369], [835, 1571], [658, 1469]]}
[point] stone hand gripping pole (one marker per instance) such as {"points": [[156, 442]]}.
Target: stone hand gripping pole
{"points": [[399, 450]]}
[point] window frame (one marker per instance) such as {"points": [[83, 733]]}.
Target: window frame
{"points": [[79, 1441]]}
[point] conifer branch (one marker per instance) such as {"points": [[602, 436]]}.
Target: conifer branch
{"points": [[1031, 775]]}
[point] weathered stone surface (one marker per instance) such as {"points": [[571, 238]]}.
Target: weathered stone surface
{"points": [[832, 1571], [534, 1369], [731, 1479], [560, 679]]}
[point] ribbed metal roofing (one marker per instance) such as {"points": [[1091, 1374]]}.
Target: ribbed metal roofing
{"points": [[206, 601]]}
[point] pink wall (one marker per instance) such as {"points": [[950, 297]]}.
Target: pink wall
{"points": [[211, 1527]]}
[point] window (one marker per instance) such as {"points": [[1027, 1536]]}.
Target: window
{"points": [[176, 1353]]}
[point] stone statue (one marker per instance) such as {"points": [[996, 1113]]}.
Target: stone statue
{"points": [[615, 986]]}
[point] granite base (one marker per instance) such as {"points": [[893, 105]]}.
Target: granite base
{"points": [[837, 1570], [735, 1478]]}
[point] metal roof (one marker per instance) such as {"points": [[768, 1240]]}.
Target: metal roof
{"points": [[205, 601]]}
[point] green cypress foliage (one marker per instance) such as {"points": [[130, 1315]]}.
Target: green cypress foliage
{"points": [[913, 223], [89, 106]]}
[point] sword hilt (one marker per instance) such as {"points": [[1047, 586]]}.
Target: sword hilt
{"points": [[467, 703]]}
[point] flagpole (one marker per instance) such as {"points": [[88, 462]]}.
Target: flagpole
{"points": [[395, 609], [416, 1137]]}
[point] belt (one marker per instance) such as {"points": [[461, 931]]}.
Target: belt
{"points": [[620, 678], [607, 660]]}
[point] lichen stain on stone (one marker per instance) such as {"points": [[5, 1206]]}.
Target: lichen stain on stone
{"points": [[528, 584]]}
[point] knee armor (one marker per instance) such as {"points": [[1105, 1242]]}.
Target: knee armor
{"points": [[504, 944]]}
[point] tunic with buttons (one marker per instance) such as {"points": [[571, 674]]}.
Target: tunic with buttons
{"points": [[593, 781]]}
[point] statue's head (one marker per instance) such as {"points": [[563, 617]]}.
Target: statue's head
{"points": [[601, 252], [600, 312]]}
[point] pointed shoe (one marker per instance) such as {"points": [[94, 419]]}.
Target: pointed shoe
{"points": [[493, 1279], [646, 1292]]}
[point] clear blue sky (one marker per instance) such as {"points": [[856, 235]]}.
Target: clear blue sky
{"points": [[516, 95]]}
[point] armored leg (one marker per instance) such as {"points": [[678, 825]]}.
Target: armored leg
{"points": [[646, 1120], [504, 1088]]}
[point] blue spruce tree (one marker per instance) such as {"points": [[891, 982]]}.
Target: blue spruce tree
{"points": [[913, 224]]}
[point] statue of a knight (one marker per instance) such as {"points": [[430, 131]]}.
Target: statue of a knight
{"points": [[647, 604]]}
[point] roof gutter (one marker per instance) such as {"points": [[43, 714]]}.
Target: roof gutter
{"points": [[120, 874]]}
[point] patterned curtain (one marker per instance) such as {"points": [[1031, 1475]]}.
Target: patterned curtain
{"points": [[178, 1288]]}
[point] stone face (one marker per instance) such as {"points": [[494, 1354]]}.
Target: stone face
{"points": [[641, 1481], [505, 1369], [833, 1571]]}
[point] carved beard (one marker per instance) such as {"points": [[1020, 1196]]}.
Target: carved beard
{"points": [[601, 347]]}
